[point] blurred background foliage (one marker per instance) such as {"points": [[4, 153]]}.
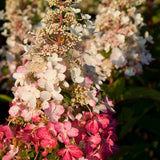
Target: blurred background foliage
{"points": [[5, 94], [136, 99]]}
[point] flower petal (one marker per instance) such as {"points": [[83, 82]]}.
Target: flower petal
{"points": [[73, 132], [67, 156]]}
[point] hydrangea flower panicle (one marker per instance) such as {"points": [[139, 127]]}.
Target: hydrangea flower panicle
{"points": [[117, 43], [55, 94]]}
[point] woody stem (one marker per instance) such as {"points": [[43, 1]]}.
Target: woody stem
{"points": [[51, 39], [61, 21]]}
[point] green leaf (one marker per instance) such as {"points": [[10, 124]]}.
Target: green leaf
{"points": [[53, 156], [31, 154], [66, 97], [137, 111], [142, 92], [105, 54], [115, 91], [5, 70], [126, 114], [156, 18], [155, 144], [36, 18], [4, 97], [23, 154]]}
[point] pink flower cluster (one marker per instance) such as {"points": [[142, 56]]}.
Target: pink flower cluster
{"points": [[91, 137], [97, 135]]}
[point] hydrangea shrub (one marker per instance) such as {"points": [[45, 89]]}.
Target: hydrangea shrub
{"points": [[58, 110]]}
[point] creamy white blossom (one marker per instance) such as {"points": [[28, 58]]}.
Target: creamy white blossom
{"points": [[118, 40], [117, 57], [76, 75]]}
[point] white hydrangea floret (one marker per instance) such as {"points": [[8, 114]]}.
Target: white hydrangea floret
{"points": [[54, 59], [76, 10], [129, 71], [76, 75], [28, 94], [13, 111], [107, 47], [50, 74], [116, 14], [121, 38], [45, 95], [148, 37], [124, 20], [76, 30], [56, 94], [117, 58], [2, 15], [138, 19]]}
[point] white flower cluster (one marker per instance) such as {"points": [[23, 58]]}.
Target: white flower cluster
{"points": [[44, 88], [20, 19], [47, 73], [117, 42]]}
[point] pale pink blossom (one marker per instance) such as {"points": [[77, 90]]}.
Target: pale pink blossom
{"points": [[65, 131], [11, 154], [28, 114], [117, 57], [14, 110], [29, 94], [20, 75], [54, 111]]}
